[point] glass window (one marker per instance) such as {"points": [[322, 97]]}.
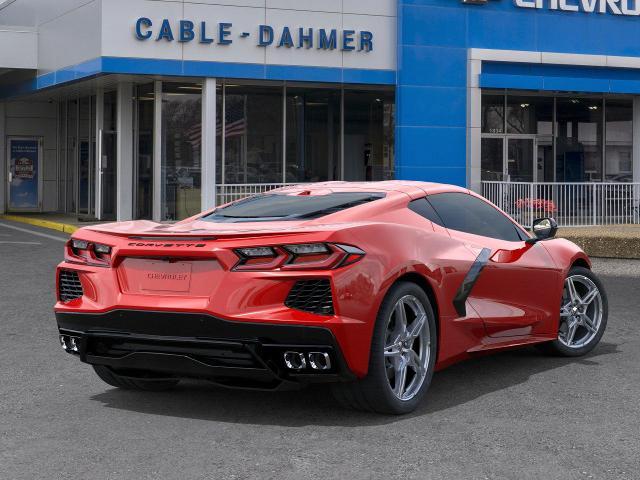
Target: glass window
{"points": [[144, 145], [529, 114], [290, 207], [62, 154], [492, 113], [181, 150], [219, 140], [492, 158], [423, 208], [313, 134], [72, 137], [466, 213], [619, 140], [579, 139], [253, 134], [368, 135]]}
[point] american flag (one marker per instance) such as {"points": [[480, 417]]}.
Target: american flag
{"points": [[236, 123]]}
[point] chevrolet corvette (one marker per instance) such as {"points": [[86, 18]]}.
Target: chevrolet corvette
{"points": [[369, 287]]}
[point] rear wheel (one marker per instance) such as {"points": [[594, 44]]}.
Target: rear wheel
{"points": [[402, 358], [147, 383], [583, 314]]}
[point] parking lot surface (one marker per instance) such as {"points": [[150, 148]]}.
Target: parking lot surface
{"points": [[515, 415]]}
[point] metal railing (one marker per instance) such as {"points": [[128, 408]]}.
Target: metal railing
{"points": [[231, 192], [571, 204]]}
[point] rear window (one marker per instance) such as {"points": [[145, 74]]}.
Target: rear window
{"points": [[276, 207]]}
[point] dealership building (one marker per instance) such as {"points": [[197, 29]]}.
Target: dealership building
{"points": [[156, 109]]}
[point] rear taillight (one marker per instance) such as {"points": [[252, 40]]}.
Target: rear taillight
{"points": [[303, 256], [88, 253]]}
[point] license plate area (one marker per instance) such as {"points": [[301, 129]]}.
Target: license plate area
{"points": [[159, 277], [167, 277]]}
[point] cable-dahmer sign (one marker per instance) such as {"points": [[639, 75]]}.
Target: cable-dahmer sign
{"points": [[616, 7], [222, 34]]}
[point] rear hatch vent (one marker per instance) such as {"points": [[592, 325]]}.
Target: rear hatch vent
{"points": [[70, 287], [313, 296]]}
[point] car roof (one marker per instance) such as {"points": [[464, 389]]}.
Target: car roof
{"points": [[414, 189]]}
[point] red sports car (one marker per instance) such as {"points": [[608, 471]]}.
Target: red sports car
{"points": [[369, 286]]}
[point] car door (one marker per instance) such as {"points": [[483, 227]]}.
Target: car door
{"points": [[518, 289]]}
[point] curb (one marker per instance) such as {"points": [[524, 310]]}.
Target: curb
{"points": [[38, 222]]}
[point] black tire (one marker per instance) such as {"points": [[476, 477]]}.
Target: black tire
{"points": [[556, 347], [133, 383], [373, 393]]}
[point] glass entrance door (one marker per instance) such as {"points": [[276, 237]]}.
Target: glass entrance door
{"points": [[108, 175], [519, 159]]}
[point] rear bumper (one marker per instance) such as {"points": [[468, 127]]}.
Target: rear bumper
{"points": [[235, 354]]}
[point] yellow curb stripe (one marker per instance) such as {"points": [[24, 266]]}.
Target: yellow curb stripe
{"points": [[39, 222]]}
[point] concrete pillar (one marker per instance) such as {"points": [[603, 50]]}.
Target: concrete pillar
{"points": [[636, 139], [124, 175], [98, 159], [474, 119], [3, 161], [208, 179]]}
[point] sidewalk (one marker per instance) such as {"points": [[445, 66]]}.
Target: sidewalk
{"points": [[54, 221]]}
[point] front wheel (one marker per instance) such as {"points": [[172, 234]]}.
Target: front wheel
{"points": [[402, 358], [583, 314]]}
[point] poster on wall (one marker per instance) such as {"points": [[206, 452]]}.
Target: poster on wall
{"points": [[24, 173]]}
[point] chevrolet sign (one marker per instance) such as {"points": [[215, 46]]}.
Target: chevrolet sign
{"points": [[615, 7]]}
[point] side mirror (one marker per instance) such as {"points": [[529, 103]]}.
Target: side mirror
{"points": [[543, 229]]}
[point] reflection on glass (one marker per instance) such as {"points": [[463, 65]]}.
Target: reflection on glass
{"points": [[492, 157], [108, 163], [369, 121], [62, 149], [579, 139], [619, 140], [72, 136], [144, 159], [492, 113], [520, 159], [313, 135], [529, 115], [181, 150], [253, 134]]}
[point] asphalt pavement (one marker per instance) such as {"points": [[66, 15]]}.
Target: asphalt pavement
{"points": [[516, 415]]}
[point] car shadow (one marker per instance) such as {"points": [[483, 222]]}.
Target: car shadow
{"points": [[314, 405]]}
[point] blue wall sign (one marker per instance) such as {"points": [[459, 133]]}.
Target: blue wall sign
{"points": [[222, 34], [24, 167]]}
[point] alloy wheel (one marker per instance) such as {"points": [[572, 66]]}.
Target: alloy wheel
{"points": [[580, 312], [407, 347]]}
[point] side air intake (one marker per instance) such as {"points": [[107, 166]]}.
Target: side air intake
{"points": [[313, 296], [70, 287]]}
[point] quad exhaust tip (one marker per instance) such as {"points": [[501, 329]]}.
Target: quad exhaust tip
{"points": [[70, 344], [298, 360]]}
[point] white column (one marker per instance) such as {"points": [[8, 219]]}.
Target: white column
{"points": [[474, 118], [208, 163], [124, 175], [98, 159], [156, 207], [4, 161]]}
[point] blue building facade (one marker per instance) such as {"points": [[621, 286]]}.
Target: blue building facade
{"points": [[278, 92]]}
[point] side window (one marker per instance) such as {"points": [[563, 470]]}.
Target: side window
{"points": [[423, 208], [465, 213]]}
